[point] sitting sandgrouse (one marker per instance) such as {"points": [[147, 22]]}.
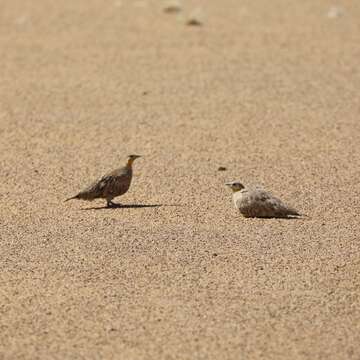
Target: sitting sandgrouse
{"points": [[255, 202]]}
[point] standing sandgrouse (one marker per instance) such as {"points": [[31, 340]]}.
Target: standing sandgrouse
{"points": [[111, 185], [254, 202]]}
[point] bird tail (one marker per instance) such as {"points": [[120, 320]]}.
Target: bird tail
{"points": [[299, 214], [71, 198]]}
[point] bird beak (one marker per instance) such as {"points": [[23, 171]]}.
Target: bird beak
{"points": [[228, 184]]}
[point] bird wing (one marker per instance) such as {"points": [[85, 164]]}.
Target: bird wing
{"points": [[96, 188], [269, 205], [112, 184], [102, 183]]}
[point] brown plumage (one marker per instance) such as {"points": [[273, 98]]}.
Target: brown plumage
{"points": [[111, 185], [254, 202]]}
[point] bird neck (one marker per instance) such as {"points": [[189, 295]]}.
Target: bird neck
{"points": [[129, 163]]}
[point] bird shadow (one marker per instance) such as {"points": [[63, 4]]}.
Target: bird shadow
{"points": [[127, 206], [300, 217]]}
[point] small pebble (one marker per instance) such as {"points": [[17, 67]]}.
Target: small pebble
{"points": [[222, 168], [195, 18], [172, 7]]}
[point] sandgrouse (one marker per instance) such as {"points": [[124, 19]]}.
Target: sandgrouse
{"points": [[111, 185], [255, 202]]}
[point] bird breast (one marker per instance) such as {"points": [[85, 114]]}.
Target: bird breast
{"points": [[238, 198]]}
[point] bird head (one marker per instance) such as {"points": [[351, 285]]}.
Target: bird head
{"points": [[235, 185], [131, 159]]}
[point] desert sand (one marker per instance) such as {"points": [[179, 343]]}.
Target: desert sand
{"points": [[267, 89]]}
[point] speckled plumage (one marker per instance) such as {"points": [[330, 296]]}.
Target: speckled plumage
{"points": [[109, 186], [255, 202]]}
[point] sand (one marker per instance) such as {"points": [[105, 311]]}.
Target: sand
{"points": [[267, 89]]}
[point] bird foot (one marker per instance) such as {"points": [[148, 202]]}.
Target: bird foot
{"points": [[111, 204]]}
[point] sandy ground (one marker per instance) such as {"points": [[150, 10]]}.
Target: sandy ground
{"points": [[268, 89]]}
